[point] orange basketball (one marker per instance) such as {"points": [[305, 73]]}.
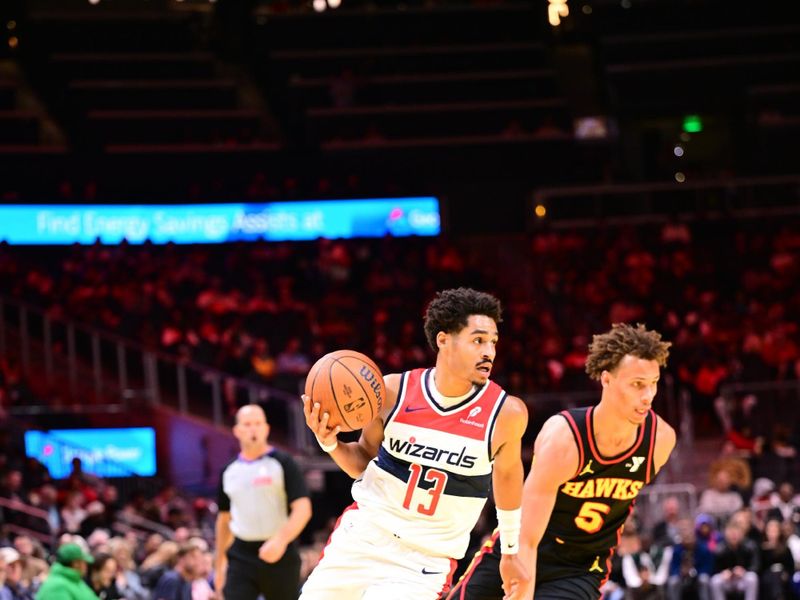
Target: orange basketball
{"points": [[349, 386]]}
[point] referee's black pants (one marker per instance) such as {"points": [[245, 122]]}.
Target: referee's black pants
{"points": [[249, 576]]}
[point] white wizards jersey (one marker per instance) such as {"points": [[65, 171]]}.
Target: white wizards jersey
{"points": [[432, 475]]}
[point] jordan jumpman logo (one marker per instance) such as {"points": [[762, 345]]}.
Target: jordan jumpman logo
{"points": [[596, 565], [587, 470]]}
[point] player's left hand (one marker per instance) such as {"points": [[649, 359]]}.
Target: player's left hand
{"points": [[520, 591], [272, 550], [514, 574]]}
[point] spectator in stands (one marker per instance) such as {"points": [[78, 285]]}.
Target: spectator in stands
{"points": [[102, 577], [736, 417], [743, 518], [34, 565], [70, 538], [46, 499], [176, 584], [707, 381], [109, 496], [720, 500], [737, 464], [80, 479], [171, 505], [73, 513], [736, 565], [151, 544], [11, 485], [14, 587], [777, 563], [761, 502], [127, 580], [645, 576], [789, 531], [95, 520], [262, 362], [692, 561], [156, 564], [665, 531], [646, 590], [66, 576], [201, 586], [785, 506]]}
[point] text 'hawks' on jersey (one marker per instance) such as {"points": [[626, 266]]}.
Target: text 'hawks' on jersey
{"points": [[432, 475], [591, 508]]}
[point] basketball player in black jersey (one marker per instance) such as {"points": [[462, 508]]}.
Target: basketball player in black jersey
{"points": [[589, 465]]}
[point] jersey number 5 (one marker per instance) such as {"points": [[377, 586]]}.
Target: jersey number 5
{"points": [[590, 517], [438, 478]]}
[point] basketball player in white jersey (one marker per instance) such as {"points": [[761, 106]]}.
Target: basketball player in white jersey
{"points": [[424, 466]]}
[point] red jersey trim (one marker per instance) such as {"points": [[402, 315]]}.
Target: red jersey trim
{"points": [[651, 452], [616, 459], [578, 441]]}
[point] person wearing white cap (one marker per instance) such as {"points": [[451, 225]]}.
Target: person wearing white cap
{"points": [[14, 588]]}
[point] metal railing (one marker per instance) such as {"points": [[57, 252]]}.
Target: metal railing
{"points": [[84, 369], [15, 512], [141, 526]]}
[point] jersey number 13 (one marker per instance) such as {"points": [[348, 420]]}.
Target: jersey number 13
{"points": [[434, 476]]}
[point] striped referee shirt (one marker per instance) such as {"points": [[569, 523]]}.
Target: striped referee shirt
{"points": [[258, 493]]}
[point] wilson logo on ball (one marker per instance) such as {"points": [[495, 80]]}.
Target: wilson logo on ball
{"points": [[373, 382]]}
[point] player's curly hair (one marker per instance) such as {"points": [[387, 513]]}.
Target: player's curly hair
{"points": [[450, 310], [608, 349]]}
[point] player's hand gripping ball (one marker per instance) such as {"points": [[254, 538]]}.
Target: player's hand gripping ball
{"points": [[348, 386]]}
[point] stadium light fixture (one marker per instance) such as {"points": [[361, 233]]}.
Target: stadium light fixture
{"points": [[557, 10]]}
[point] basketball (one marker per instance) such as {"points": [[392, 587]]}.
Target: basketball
{"points": [[349, 386]]}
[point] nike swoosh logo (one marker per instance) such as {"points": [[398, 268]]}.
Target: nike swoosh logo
{"points": [[414, 408], [426, 572]]}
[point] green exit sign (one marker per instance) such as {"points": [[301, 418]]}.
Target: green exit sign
{"points": [[692, 124]]}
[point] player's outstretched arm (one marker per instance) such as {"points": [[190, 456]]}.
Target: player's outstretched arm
{"points": [[352, 457], [555, 461], [507, 476]]}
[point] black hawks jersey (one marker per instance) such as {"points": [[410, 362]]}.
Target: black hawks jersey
{"points": [[591, 508]]}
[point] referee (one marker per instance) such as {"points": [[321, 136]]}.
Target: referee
{"points": [[263, 507]]}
